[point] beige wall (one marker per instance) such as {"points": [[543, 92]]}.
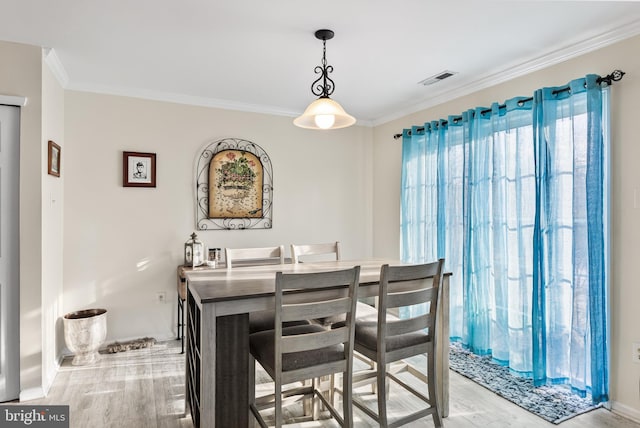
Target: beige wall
{"points": [[52, 216], [122, 245], [21, 75], [625, 151]]}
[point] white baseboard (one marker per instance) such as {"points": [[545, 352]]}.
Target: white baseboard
{"points": [[626, 411], [31, 394], [52, 374]]}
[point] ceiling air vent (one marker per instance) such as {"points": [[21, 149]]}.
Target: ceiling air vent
{"points": [[437, 78]]}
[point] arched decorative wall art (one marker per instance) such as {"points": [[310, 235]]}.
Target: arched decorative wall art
{"points": [[234, 186]]}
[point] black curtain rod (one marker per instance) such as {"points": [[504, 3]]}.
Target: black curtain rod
{"points": [[615, 76]]}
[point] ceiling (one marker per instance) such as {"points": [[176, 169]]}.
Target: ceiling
{"points": [[260, 55]]}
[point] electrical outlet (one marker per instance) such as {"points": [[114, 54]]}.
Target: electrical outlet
{"points": [[635, 352], [161, 296]]}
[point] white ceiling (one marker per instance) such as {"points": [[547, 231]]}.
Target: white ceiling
{"points": [[260, 55]]}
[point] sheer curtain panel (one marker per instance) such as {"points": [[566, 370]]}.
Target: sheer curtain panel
{"points": [[513, 198]]}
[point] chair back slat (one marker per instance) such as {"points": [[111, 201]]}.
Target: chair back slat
{"points": [[413, 297], [409, 325], [315, 280], [260, 255], [308, 342], [408, 273], [298, 251], [303, 311]]}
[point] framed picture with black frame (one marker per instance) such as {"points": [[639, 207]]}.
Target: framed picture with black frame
{"points": [[138, 169]]}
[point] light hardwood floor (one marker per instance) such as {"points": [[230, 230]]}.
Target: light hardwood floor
{"points": [[145, 388]]}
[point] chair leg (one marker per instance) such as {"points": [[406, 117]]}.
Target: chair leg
{"points": [[382, 394], [252, 383], [307, 402], [327, 392], [278, 404], [374, 385], [433, 395], [332, 389], [347, 405], [317, 405], [387, 383]]}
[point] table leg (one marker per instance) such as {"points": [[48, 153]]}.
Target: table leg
{"points": [[221, 394], [232, 375]]}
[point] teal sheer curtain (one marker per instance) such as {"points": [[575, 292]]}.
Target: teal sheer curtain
{"points": [[513, 198]]}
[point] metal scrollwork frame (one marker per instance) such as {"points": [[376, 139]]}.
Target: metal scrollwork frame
{"points": [[203, 222]]}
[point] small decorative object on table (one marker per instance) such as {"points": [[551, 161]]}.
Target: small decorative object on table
{"points": [[194, 251], [214, 257]]}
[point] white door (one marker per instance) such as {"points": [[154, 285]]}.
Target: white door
{"points": [[9, 252]]}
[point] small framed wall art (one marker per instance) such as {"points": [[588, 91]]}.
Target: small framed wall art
{"points": [[54, 159], [138, 169]]}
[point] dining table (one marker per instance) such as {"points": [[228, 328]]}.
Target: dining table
{"points": [[218, 377]]}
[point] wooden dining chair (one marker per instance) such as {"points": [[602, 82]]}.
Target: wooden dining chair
{"points": [[385, 338], [262, 320], [299, 253], [326, 251], [318, 252], [310, 252], [302, 353]]}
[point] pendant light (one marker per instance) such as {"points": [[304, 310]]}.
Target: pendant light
{"points": [[324, 113]]}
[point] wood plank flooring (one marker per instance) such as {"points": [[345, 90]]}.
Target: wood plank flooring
{"points": [[145, 388]]}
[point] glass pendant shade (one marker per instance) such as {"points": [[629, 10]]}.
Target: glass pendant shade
{"points": [[324, 113]]}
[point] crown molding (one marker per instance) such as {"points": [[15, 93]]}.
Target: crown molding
{"points": [[55, 65], [189, 100], [179, 99], [511, 72]]}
